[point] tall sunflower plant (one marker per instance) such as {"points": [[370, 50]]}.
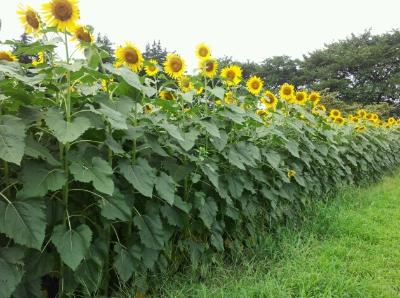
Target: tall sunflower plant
{"points": [[114, 175]]}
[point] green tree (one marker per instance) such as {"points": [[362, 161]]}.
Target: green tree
{"points": [[155, 51], [106, 45]]}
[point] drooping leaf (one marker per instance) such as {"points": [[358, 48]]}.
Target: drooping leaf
{"points": [[12, 135], [165, 187], [66, 131], [115, 207], [210, 127], [141, 176], [207, 209], [173, 131], [97, 171], [24, 221], [72, 245], [11, 269], [36, 150], [150, 231]]}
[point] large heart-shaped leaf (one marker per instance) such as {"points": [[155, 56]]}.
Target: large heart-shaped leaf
{"points": [[12, 135]]}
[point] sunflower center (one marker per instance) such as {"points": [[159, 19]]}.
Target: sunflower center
{"points": [[5, 56], [269, 99], [231, 75], [255, 84], [32, 19], [168, 96], [131, 56], [152, 68], [313, 97], [176, 65], [287, 91], [203, 52], [82, 35], [209, 66], [300, 97], [62, 10]]}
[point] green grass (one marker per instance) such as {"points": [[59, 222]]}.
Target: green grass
{"points": [[349, 247]]}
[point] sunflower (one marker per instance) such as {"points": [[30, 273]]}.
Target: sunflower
{"points": [[167, 95], [174, 66], [130, 56], [398, 122], [291, 173], [208, 67], [262, 112], [360, 128], [7, 56], [29, 19], [362, 113], [254, 85], [82, 35], [319, 109], [369, 117], [339, 120], [39, 60], [353, 119], [301, 98], [314, 97], [335, 113], [286, 92], [203, 51], [148, 108], [375, 117], [232, 74], [199, 90], [151, 68], [391, 120], [229, 98], [185, 84], [269, 100], [62, 14]]}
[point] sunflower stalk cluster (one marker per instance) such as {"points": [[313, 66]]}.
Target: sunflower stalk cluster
{"points": [[114, 175]]}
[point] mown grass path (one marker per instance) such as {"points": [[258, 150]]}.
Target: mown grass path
{"points": [[350, 247]]}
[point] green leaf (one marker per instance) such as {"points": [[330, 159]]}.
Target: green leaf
{"points": [[11, 269], [243, 154], [97, 171], [150, 231], [210, 127], [293, 148], [124, 262], [173, 131], [36, 150], [207, 209], [165, 187], [12, 136], [115, 207], [72, 245], [24, 221], [64, 131], [220, 143], [218, 92], [211, 171], [141, 176], [39, 178], [173, 216], [189, 139], [273, 159]]}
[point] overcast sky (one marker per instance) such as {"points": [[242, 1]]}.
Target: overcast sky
{"points": [[243, 29]]}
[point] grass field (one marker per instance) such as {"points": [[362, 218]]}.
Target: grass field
{"points": [[348, 247]]}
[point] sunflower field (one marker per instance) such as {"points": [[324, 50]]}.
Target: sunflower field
{"points": [[114, 174]]}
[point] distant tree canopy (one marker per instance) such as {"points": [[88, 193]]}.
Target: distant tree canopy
{"points": [[155, 51]]}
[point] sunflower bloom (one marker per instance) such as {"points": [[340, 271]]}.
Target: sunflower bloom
{"points": [[185, 84], [254, 85], [362, 113], [314, 97], [391, 120], [62, 14], [286, 92], [335, 113], [232, 75], [360, 128], [39, 60], [174, 66], [339, 120], [269, 100], [262, 112], [29, 18], [167, 95], [151, 68], [203, 51], [148, 108], [7, 56], [291, 173], [229, 98], [208, 67], [300, 98], [82, 35], [319, 109], [130, 56]]}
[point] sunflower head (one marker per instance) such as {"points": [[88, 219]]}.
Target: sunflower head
{"points": [[319, 109], [314, 97], [185, 84], [339, 120], [39, 60], [151, 68], [335, 113], [291, 173], [362, 113], [269, 100], [360, 128], [286, 92], [29, 19], [167, 95], [208, 67], [7, 56], [82, 35], [174, 66], [391, 120], [229, 98], [130, 56], [262, 112], [148, 108], [232, 75], [301, 97], [203, 51], [254, 85], [62, 14]]}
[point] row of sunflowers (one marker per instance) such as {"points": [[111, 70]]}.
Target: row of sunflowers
{"points": [[116, 175]]}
